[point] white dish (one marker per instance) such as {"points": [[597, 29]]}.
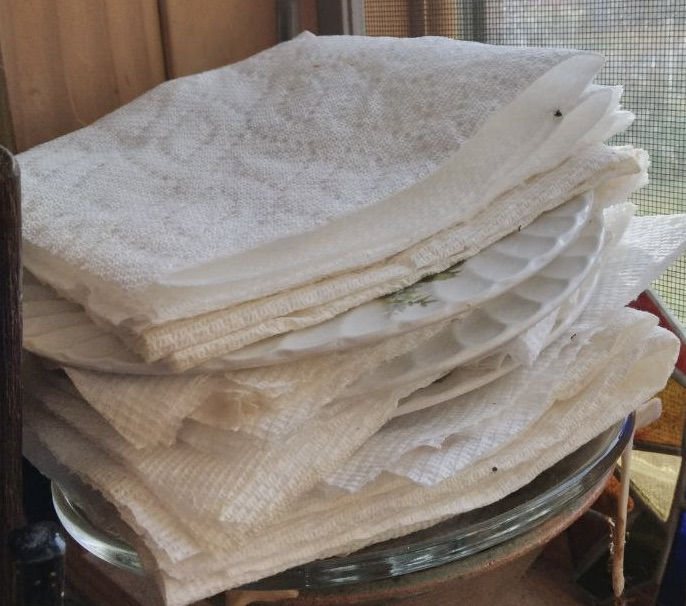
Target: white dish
{"points": [[496, 322], [208, 437], [62, 332], [466, 378]]}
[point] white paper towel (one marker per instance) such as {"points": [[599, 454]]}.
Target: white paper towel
{"points": [[134, 258]]}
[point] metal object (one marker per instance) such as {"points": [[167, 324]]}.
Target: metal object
{"points": [[31, 557], [287, 19], [39, 551]]}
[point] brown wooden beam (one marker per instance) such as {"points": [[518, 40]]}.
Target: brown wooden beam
{"points": [[11, 516]]}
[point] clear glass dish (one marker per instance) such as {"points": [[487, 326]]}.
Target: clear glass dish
{"points": [[452, 540]]}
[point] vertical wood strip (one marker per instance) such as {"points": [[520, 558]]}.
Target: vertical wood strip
{"points": [[69, 63], [6, 126], [407, 18], [417, 9], [204, 34], [308, 16], [10, 360], [443, 18]]}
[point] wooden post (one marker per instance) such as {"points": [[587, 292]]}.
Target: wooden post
{"points": [[10, 360]]}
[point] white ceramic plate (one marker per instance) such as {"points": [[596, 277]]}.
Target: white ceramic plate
{"points": [[207, 437], [466, 378], [61, 331], [497, 321]]}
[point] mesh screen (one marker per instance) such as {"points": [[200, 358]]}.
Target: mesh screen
{"points": [[667, 431], [406, 18], [382, 20], [644, 42]]}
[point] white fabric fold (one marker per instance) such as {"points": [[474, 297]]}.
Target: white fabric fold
{"points": [[167, 135], [247, 480], [182, 345], [613, 172], [274, 401], [430, 446]]}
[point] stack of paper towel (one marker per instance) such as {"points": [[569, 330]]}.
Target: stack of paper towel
{"points": [[247, 284]]}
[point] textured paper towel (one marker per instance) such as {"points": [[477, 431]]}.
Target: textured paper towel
{"points": [[647, 248], [178, 135], [184, 344], [282, 397], [433, 444], [275, 425], [266, 402], [134, 286], [149, 410], [319, 527], [652, 242], [608, 170], [247, 481]]}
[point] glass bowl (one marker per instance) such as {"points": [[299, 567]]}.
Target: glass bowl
{"points": [[454, 539]]}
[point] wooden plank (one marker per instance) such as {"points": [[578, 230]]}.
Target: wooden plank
{"points": [[412, 18], [308, 15], [99, 583], [203, 34], [69, 63], [6, 127], [10, 361]]}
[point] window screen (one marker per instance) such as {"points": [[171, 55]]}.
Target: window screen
{"points": [[645, 45]]}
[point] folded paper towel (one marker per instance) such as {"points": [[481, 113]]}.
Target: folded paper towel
{"points": [[185, 238], [233, 484], [150, 410], [230, 471], [274, 400], [316, 527], [612, 172]]}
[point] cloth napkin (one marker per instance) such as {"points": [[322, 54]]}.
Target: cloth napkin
{"points": [[186, 237]]}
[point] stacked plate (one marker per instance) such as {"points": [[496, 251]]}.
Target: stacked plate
{"points": [[297, 331]]}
